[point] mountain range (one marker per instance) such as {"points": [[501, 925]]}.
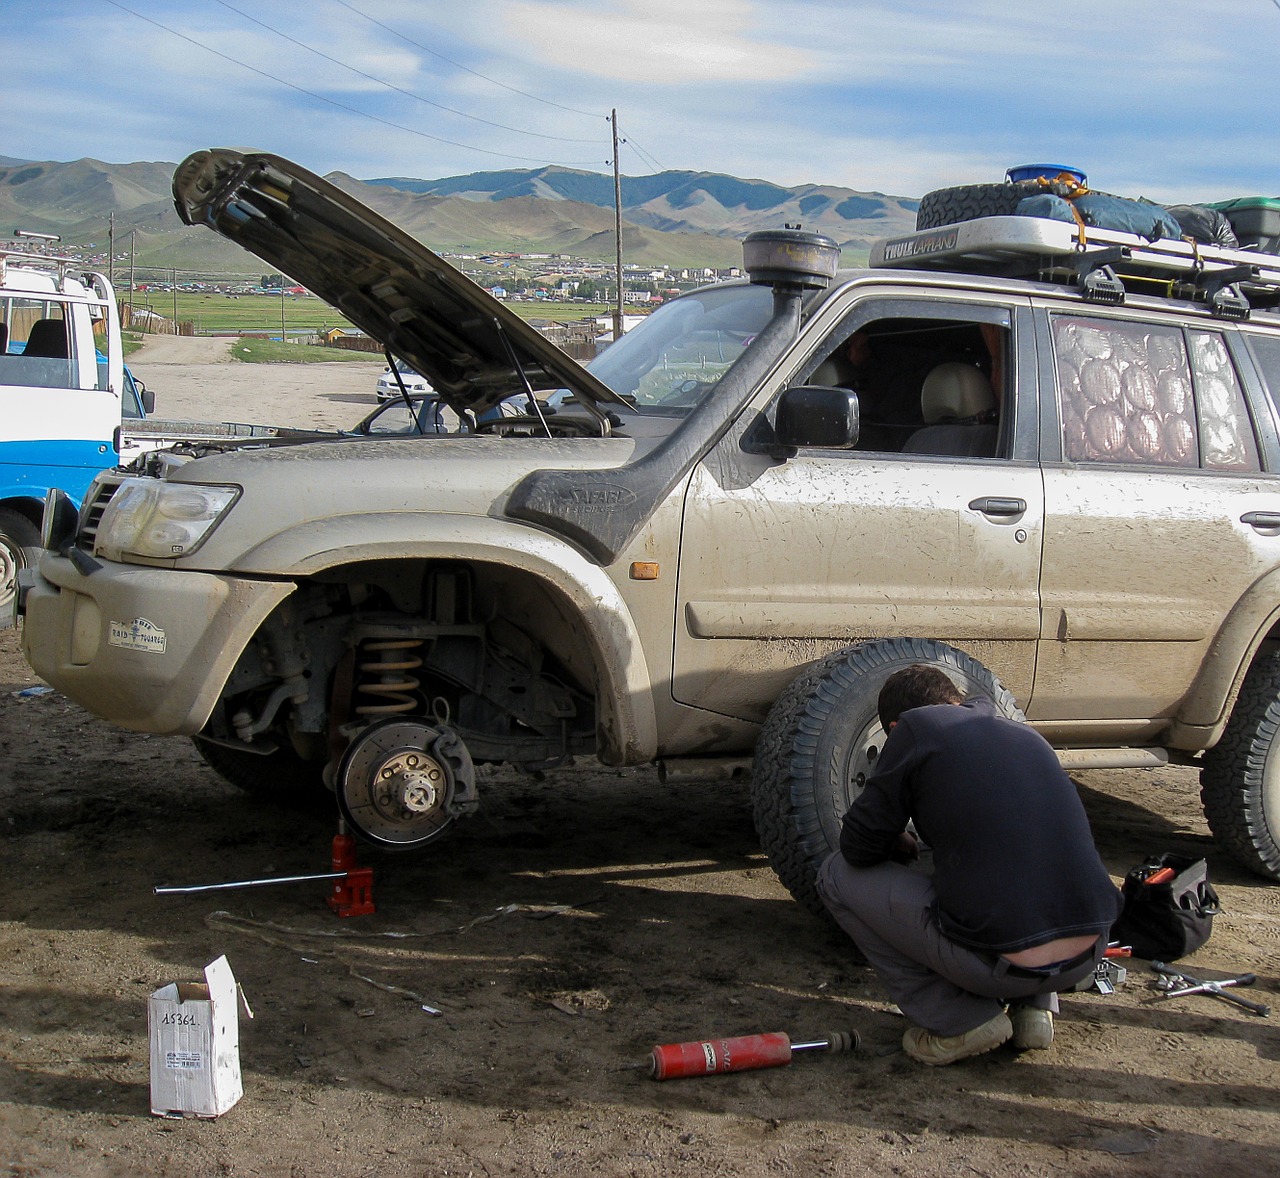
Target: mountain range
{"points": [[679, 218]]}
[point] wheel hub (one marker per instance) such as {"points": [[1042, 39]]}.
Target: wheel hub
{"points": [[412, 780], [403, 781]]}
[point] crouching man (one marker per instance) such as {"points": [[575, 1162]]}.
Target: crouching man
{"points": [[1019, 904]]}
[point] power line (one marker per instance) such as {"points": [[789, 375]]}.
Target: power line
{"points": [[645, 157], [342, 105], [391, 86], [459, 65]]}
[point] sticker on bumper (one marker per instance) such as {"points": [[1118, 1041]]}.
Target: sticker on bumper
{"points": [[137, 635]]}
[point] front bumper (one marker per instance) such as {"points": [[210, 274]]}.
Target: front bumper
{"points": [[146, 648]]}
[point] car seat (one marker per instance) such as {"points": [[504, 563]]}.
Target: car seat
{"points": [[48, 337], [835, 372], [958, 407]]}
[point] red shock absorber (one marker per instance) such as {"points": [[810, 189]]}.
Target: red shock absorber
{"points": [[709, 1057]]}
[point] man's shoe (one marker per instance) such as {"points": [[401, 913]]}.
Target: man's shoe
{"points": [[1032, 1028], [937, 1050]]}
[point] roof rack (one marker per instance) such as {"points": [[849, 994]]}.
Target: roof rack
{"points": [[36, 259], [56, 267], [1104, 264]]}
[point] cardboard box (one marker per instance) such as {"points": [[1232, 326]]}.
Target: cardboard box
{"points": [[195, 1044]]}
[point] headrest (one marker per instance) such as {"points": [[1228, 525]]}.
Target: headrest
{"points": [[954, 391], [834, 371]]}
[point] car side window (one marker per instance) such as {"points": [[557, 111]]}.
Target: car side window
{"points": [[40, 345], [925, 386], [1266, 353], [1226, 434], [1152, 395]]}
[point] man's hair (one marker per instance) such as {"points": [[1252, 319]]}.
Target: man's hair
{"points": [[915, 686]]}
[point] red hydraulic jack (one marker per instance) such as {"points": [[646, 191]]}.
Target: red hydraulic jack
{"points": [[352, 893], [710, 1057]]}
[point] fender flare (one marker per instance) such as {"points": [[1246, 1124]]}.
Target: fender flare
{"points": [[1207, 706]]}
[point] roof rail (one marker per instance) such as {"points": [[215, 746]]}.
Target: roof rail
{"points": [[59, 268], [1103, 264]]}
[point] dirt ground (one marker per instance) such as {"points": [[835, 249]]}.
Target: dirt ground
{"points": [[568, 927]]}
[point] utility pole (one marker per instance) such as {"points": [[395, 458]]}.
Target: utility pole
{"points": [[111, 251], [133, 241], [282, 337], [617, 227], [174, 287]]}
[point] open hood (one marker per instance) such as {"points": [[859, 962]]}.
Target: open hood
{"points": [[474, 350]]}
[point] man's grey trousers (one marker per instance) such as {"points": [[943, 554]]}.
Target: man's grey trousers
{"points": [[890, 911]]}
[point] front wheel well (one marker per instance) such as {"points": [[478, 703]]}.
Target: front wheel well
{"points": [[496, 653]]}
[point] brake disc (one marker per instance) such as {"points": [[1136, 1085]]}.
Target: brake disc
{"points": [[402, 782]]}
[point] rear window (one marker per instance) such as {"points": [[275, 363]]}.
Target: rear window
{"points": [[1150, 395]]}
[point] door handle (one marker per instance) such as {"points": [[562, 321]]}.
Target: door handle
{"points": [[994, 505], [1261, 519]]}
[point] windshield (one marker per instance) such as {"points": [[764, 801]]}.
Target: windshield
{"points": [[675, 357], [130, 400]]}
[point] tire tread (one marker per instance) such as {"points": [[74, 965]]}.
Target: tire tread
{"points": [[1231, 782]]}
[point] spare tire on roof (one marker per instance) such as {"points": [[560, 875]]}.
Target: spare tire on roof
{"points": [[947, 206]]}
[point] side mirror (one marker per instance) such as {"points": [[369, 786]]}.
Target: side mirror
{"points": [[148, 399], [817, 417]]}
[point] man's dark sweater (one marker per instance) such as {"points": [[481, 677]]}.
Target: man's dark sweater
{"points": [[1014, 860]]}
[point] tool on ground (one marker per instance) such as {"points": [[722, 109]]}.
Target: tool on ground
{"points": [[1106, 976], [709, 1057], [352, 892], [1174, 984]]}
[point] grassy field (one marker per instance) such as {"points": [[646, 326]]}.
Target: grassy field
{"points": [[271, 351], [212, 313]]}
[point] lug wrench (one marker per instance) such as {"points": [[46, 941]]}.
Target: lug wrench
{"points": [[1170, 978]]}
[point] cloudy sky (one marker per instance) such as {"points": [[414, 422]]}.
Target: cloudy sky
{"points": [[1176, 100]]}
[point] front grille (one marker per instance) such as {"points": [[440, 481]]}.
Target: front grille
{"points": [[100, 494]]}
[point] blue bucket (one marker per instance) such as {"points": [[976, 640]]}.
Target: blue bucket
{"points": [[1048, 171]]}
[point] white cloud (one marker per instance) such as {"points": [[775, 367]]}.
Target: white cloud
{"points": [[658, 42]]}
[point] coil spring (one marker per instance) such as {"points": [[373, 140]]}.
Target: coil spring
{"points": [[385, 676]]}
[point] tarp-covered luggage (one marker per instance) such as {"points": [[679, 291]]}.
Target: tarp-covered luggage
{"points": [[1099, 210]]}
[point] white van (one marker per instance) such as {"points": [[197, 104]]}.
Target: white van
{"points": [[60, 407]]}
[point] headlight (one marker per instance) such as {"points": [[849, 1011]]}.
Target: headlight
{"points": [[148, 517]]}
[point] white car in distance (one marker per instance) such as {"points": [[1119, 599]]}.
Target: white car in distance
{"points": [[389, 387]]}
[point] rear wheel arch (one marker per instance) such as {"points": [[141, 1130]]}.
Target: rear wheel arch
{"points": [[1249, 631]]}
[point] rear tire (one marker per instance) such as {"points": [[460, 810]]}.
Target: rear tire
{"points": [[282, 776], [820, 743], [1240, 781], [19, 549]]}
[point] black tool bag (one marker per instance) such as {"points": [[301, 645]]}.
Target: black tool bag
{"points": [[1168, 918]]}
